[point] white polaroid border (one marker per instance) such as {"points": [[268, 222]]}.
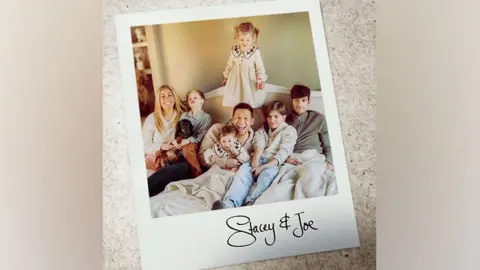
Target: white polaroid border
{"points": [[199, 241]]}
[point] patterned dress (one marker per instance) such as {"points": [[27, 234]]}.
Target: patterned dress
{"points": [[242, 71]]}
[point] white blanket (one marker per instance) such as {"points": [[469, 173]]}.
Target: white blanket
{"points": [[307, 180], [192, 195]]}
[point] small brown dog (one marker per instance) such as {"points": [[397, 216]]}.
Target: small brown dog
{"points": [[184, 130]]}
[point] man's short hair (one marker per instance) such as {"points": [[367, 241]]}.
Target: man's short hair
{"points": [[244, 106]]}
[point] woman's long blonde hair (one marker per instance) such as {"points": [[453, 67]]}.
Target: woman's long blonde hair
{"points": [[159, 113]]}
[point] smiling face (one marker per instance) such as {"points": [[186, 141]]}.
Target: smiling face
{"points": [[242, 121], [274, 119], [167, 100], [300, 105], [195, 101], [245, 40]]}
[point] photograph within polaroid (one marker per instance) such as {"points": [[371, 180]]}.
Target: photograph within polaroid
{"points": [[230, 119]]}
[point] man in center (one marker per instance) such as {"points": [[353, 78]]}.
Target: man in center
{"points": [[242, 121]]}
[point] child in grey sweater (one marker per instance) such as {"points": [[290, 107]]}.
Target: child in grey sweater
{"points": [[311, 127], [201, 122]]}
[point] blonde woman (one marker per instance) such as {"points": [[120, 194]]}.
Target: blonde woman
{"points": [[158, 132]]}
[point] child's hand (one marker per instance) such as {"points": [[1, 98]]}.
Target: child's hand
{"points": [[224, 82], [256, 171], [183, 143], [166, 147], [260, 84], [293, 161], [255, 163], [213, 159], [232, 149]]}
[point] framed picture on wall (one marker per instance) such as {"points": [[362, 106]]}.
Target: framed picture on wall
{"points": [[138, 34], [142, 59]]}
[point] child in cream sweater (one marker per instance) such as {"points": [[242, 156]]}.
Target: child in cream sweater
{"points": [[227, 148], [272, 143]]}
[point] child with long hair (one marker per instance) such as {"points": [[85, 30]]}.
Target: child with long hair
{"points": [[244, 75], [159, 126]]}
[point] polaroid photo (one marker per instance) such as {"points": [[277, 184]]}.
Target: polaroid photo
{"points": [[233, 135]]}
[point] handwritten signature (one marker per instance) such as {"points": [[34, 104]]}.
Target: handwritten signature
{"points": [[245, 231]]}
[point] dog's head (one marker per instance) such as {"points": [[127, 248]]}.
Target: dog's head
{"points": [[162, 159], [184, 129]]}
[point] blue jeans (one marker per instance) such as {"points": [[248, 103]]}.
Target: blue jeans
{"points": [[242, 181]]}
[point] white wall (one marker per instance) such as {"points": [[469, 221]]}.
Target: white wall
{"points": [[194, 54]]}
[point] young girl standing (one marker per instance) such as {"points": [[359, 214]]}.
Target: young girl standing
{"points": [[244, 76]]}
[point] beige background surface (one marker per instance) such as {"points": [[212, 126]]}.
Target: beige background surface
{"points": [[350, 33]]}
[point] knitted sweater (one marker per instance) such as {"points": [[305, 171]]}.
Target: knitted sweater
{"points": [[312, 133], [213, 136], [152, 138], [240, 154]]}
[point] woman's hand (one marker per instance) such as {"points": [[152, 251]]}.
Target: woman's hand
{"points": [[174, 143], [166, 147]]}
